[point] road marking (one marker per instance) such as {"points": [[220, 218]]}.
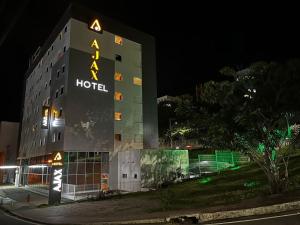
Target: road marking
{"points": [[256, 219]]}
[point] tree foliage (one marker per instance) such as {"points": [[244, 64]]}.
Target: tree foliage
{"points": [[259, 107]]}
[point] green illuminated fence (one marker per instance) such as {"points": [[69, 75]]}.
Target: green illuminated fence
{"points": [[222, 159]]}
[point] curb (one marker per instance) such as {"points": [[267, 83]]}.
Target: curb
{"points": [[199, 217], [205, 217]]}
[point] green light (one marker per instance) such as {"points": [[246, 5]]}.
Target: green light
{"points": [[205, 180], [251, 184], [235, 168]]}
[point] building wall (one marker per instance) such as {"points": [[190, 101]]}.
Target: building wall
{"points": [[9, 142], [37, 93]]}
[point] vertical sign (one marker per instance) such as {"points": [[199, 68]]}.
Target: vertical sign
{"points": [[56, 178], [45, 117]]}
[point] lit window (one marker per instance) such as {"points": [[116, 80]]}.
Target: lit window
{"points": [[118, 96], [118, 116], [118, 76], [137, 81], [118, 137], [118, 40]]}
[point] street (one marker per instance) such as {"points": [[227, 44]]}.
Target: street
{"points": [[6, 219], [292, 218]]}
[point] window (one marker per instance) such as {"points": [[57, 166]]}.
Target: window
{"points": [[60, 112], [65, 48], [137, 81], [54, 137], [118, 40], [118, 58], [124, 175], [51, 64], [118, 76], [60, 36], [46, 85], [47, 69], [63, 69], [58, 136], [66, 29], [56, 94], [48, 52], [118, 96], [135, 176], [118, 116], [52, 47], [50, 82], [118, 137], [57, 73], [61, 90]]}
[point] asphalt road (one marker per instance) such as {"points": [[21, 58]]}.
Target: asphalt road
{"points": [[291, 218], [6, 219]]}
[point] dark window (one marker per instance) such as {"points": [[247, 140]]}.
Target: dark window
{"points": [[61, 90], [51, 65], [63, 69], [118, 57], [124, 175], [60, 112], [118, 137], [56, 94], [47, 69], [65, 48], [58, 136], [52, 47], [135, 176], [66, 29], [50, 82], [57, 74]]}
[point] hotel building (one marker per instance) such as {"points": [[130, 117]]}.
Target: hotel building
{"points": [[91, 95]]}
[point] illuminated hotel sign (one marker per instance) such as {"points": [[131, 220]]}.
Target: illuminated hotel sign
{"points": [[94, 66], [56, 181], [95, 26], [94, 71], [45, 117]]}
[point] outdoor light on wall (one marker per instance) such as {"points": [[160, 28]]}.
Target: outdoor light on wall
{"points": [[38, 166], [8, 167]]}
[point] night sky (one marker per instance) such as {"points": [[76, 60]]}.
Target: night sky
{"points": [[194, 41]]}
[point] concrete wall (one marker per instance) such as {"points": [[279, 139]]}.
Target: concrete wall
{"points": [[9, 141]]}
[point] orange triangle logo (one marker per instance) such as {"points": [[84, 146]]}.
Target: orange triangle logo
{"points": [[57, 157], [96, 26]]}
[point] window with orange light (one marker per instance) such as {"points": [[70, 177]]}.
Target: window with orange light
{"points": [[118, 40], [118, 96], [118, 76], [118, 116], [137, 81]]}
